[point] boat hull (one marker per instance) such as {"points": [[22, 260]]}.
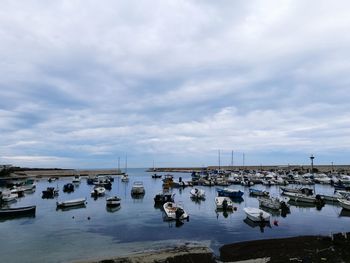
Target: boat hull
{"points": [[20, 211], [71, 203]]}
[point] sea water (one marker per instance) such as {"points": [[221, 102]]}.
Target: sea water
{"points": [[95, 232]]}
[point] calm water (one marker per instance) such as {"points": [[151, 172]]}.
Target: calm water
{"points": [[60, 236]]}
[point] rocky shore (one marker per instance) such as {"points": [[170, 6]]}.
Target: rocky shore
{"points": [[181, 254], [333, 248]]}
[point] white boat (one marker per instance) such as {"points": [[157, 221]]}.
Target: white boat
{"points": [[344, 203], [273, 203], [113, 201], [256, 214], [137, 188], [300, 197], [174, 211], [76, 179], [9, 197], [224, 203], [197, 193], [70, 203], [98, 191], [125, 178]]}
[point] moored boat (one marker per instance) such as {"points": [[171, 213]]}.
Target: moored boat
{"points": [[273, 203], [228, 192], [155, 176], [138, 188], [71, 203], [344, 203], [50, 192], [197, 193], [174, 211], [256, 214], [76, 179], [98, 191], [113, 201], [18, 211], [125, 178], [161, 198], [68, 188], [301, 197], [257, 192], [224, 203]]}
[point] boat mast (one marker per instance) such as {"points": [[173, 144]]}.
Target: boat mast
{"points": [[219, 161], [231, 160], [126, 163]]}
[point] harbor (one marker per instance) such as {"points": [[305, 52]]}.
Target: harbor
{"points": [[67, 224]]}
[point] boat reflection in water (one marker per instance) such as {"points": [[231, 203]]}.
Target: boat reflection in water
{"points": [[300, 204], [111, 209], [237, 200], [345, 213], [68, 208], [225, 213], [253, 224]]}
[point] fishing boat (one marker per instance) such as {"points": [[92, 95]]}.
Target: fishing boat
{"points": [[76, 179], [344, 203], [161, 198], [300, 197], [113, 201], [125, 178], [137, 188], [228, 192], [71, 203], [273, 203], [50, 192], [98, 191], [174, 211], [156, 176], [256, 192], [9, 197], [301, 190], [68, 188], [224, 203], [256, 214], [197, 193], [18, 211]]}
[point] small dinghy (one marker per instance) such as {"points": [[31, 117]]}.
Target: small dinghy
{"points": [[50, 192], [256, 214], [344, 203], [174, 211], [273, 203], [113, 201], [223, 203], [197, 193], [71, 203], [125, 178], [98, 191], [68, 188]]}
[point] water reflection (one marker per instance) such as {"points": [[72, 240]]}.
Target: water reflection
{"points": [[70, 207], [111, 209], [345, 213], [253, 224]]}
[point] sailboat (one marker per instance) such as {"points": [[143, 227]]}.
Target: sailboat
{"points": [[125, 177]]}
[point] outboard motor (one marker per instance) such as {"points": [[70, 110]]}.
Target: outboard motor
{"points": [[224, 205], [179, 212]]}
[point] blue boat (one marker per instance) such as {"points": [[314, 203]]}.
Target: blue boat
{"points": [[257, 192], [229, 192]]}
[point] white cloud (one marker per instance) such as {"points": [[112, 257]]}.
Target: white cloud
{"points": [[86, 81]]}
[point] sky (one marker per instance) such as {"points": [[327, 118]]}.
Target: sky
{"points": [[83, 83]]}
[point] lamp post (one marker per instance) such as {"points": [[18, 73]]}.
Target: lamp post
{"points": [[312, 163]]}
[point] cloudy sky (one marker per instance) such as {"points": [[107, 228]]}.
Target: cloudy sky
{"points": [[85, 82]]}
